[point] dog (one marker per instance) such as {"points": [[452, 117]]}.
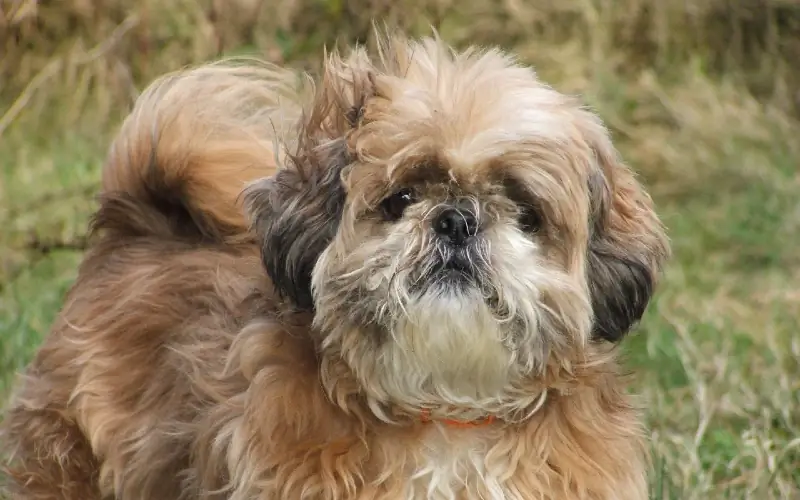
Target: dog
{"points": [[406, 279]]}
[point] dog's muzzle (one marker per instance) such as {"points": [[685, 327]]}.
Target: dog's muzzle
{"points": [[457, 228]]}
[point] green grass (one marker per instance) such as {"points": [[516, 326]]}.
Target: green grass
{"points": [[717, 356]]}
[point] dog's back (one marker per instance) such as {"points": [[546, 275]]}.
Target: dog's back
{"points": [[170, 271]]}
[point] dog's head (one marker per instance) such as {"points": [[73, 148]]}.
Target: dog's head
{"points": [[454, 224]]}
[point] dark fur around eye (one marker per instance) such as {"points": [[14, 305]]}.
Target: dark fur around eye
{"points": [[393, 206], [529, 216], [529, 219]]}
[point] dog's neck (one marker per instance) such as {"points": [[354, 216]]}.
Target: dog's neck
{"points": [[343, 390], [472, 418]]}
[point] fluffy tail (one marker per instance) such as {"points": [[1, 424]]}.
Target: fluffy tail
{"points": [[193, 141]]}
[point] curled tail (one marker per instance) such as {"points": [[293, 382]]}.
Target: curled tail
{"points": [[194, 139]]}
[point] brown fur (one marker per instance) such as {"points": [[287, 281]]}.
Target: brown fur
{"points": [[179, 369]]}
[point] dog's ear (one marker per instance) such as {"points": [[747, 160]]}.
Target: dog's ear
{"points": [[628, 245], [295, 217], [296, 213]]}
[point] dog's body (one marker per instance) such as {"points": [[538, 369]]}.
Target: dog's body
{"points": [[179, 369]]}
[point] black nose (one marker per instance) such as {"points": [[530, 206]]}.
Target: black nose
{"points": [[455, 226]]}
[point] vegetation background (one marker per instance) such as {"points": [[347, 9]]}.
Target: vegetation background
{"points": [[702, 98]]}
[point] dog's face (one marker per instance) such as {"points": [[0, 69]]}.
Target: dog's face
{"points": [[455, 226]]}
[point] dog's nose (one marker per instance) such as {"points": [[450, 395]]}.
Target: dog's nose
{"points": [[455, 226]]}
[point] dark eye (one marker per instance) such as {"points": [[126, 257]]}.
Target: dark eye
{"points": [[529, 219], [394, 206]]}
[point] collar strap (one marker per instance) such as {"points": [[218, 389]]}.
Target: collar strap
{"points": [[425, 417]]}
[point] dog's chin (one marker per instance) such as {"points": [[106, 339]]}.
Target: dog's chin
{"points": [[447, 345]]}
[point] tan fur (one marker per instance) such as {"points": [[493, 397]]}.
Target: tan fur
{"points": [[180, 369], [210, 131]]}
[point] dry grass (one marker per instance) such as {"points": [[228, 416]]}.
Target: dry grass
{"points": [[703, 100]]}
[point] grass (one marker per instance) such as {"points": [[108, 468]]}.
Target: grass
{"points": [[700, 102]]}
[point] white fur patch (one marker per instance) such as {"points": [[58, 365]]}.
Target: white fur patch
{"points": [[454, 467], [453, 343]]}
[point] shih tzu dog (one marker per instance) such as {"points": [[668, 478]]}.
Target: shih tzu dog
{"points": [[403, 281]]}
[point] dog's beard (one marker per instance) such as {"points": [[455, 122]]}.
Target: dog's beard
{"points": [[420, 324], [448, 341]]}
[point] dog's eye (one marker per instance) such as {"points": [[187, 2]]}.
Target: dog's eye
{"points": [[394, 206], [529, 219]]}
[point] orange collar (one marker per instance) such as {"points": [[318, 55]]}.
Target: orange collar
{"points": [[425, 417]]}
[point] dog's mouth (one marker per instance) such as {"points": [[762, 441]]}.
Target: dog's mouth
{"points": [[457, 265], [454, 273]]}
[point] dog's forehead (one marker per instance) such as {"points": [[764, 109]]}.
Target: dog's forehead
{"points": [[469, 121], [485, 151], [474, 118], [487, 95]]}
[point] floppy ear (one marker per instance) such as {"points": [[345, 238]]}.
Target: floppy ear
{"points": [[628, 245], [295, 218], [296, 212]]}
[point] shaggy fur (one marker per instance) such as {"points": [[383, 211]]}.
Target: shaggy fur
{"points": [[439, 257]]}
